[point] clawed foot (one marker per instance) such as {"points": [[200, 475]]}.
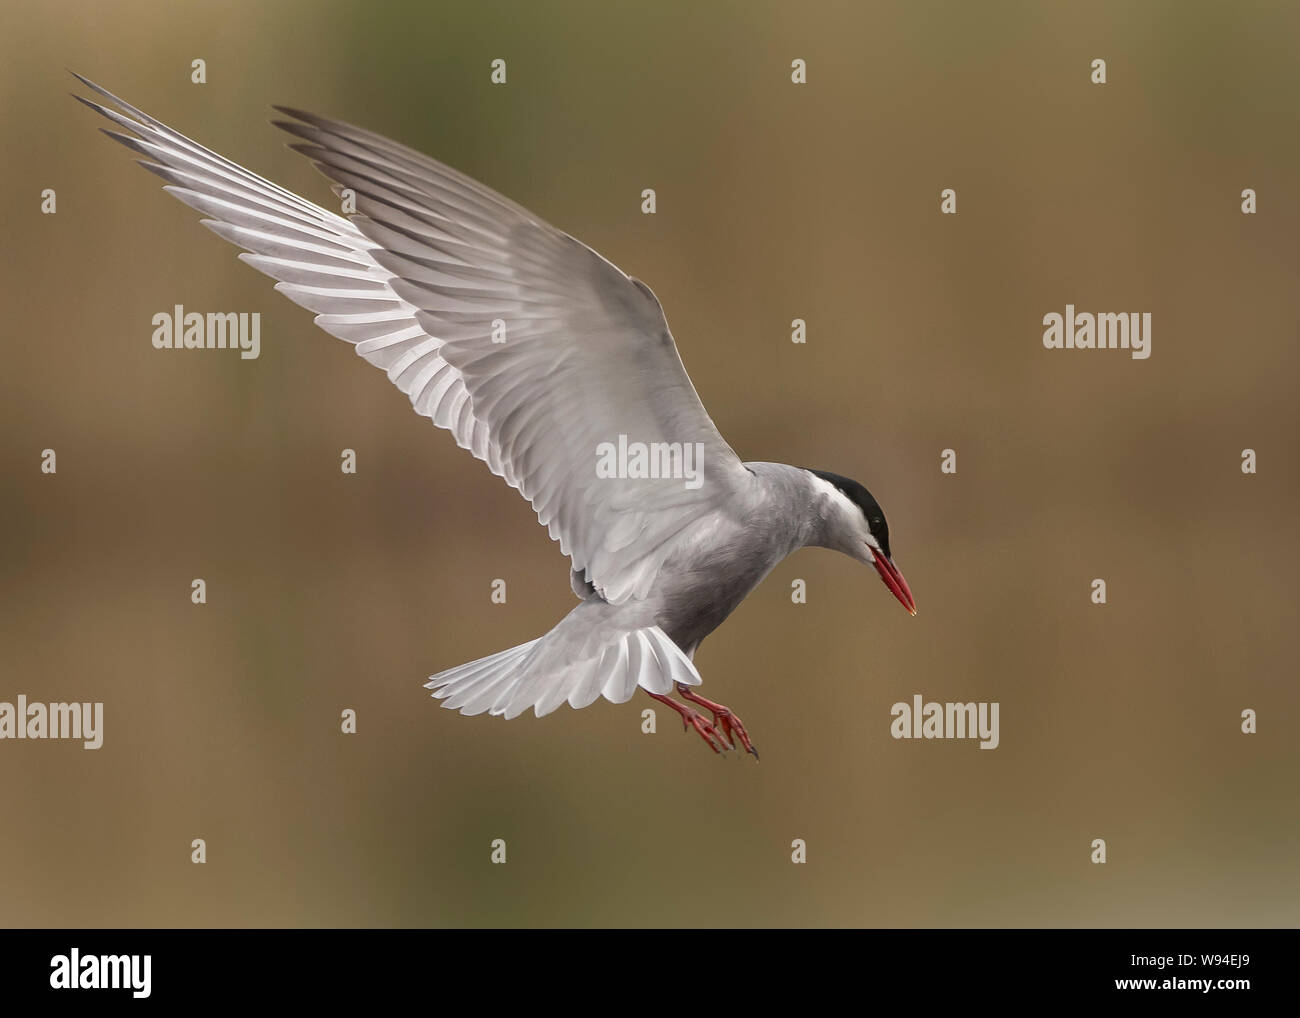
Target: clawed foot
{"points": [[730, 724], [708, 730], [723, 732], [723, 717]]}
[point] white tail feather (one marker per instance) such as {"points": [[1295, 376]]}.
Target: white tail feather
{"points": [[535, 675]]}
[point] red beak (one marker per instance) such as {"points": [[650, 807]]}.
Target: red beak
{"points": [[894, 581]]}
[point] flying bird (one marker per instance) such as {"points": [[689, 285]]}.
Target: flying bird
{"points": [[541, 358]]}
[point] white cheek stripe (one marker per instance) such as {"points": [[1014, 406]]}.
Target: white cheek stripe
{"points": [[826, 488], [846, 507]]}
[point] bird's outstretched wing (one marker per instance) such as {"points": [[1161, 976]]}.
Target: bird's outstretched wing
{"points": [[541, 357]]}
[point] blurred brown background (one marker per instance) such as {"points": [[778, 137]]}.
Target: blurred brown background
{"points": [[775, 201]]}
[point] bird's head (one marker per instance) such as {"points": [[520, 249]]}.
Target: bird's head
{"points": [[854, 523]]}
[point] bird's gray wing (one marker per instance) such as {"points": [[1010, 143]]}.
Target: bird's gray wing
{"points": [[541, 357]]}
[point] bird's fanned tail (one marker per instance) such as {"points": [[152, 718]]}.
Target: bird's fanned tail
{"points": [[553, 669]]}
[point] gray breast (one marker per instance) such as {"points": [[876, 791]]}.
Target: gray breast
{"points": [[709, 578]]}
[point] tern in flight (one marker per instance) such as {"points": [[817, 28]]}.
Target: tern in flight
{"points": [[540, 357]]}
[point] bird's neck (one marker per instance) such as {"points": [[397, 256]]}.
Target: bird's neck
{"points": [[795, 507]]}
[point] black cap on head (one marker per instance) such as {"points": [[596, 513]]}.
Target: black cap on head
{"points": [[864, 500]]}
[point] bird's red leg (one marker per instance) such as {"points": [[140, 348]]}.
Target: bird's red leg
{"points": [[723, 717], [706, 729]]}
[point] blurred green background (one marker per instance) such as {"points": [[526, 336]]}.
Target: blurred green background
{"points": [[924, 332]]}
